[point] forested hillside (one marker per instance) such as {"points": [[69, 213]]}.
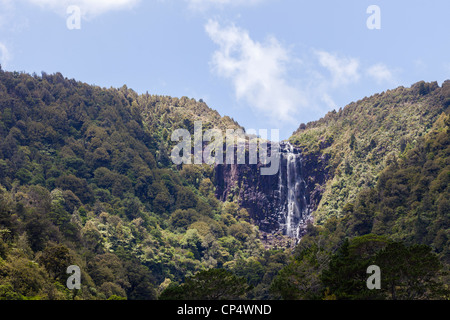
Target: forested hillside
{"points": [[86, 179], [402, 224], [353, 145]]}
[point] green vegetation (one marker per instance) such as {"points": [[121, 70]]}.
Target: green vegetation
{"points": [[86, 179], [407, 272], [411, 199], [401, 225], [359, 141], [213, 284]]}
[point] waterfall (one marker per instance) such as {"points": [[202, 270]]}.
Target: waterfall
{"points": [[292, 192]]}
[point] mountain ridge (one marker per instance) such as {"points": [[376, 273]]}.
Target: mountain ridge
{"points": [[364, 136], [86, 178]]}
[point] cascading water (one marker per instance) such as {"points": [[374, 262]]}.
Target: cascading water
{"points": [[292, 191]]}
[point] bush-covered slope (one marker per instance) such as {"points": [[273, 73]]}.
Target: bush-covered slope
{"points": [[86, 179], [411, 199], [402, 225], [352, 146]]}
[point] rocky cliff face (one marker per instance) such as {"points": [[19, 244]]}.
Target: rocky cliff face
{"points": [[253, 191], [276, 203]]}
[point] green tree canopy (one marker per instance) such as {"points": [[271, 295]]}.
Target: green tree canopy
{"points": [[213, 284]]}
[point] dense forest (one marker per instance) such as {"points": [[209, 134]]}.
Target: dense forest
{"points": [[354, 144], [402, 225], [86, 179]]}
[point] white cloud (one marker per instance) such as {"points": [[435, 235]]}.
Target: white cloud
{"points": [[343, 70], [381, 74], [256, 70], [89, 8]]}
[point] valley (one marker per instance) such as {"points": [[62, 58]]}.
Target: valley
{"points": [[87, 179]]}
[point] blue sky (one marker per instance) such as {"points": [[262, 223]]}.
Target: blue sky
{"points": [[269, 64]]}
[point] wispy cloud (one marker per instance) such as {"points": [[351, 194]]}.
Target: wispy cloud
{"points": [[381, 74], [257, 71], [343, 70], [89, 8]]}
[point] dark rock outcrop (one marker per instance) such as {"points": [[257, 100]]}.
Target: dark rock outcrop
{"points": [[267, 198]]}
